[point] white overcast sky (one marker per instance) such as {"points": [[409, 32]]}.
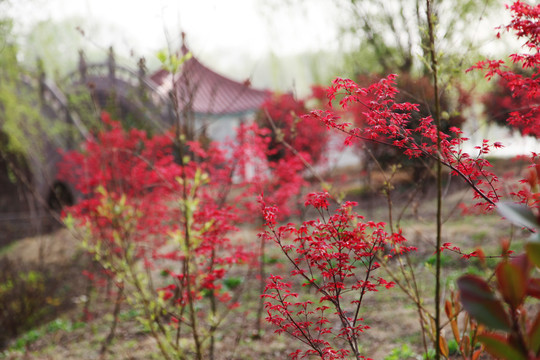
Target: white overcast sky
{"points": [[247, 29], [253, 27], [234, 37], [226, 34]]}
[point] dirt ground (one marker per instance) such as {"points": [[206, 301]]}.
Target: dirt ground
{"points": [[392, 317], [391, 324]]}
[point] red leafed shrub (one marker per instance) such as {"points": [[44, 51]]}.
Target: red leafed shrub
{"points": [[502, 102], [323, 251], [281, 180], [519, 91], [512, 330], [149, 209], [337, 256], [388, 122], [123, 166], [144, 212], [282, 114], [408, 89]]}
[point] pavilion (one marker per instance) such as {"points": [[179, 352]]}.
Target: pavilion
{"points": [[208, 103]]}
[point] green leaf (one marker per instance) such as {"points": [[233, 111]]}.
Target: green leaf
{"points": [[532, 248], [518, 214], [69, 222], [186, 57], [498, 346], [162, 56], [270, 260], [232, 282], [481, 303], [534, 335]]}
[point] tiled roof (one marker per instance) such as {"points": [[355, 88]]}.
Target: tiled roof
{"points": [[206, 92]]}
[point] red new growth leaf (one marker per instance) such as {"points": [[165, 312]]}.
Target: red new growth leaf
{"points": [[513, 278], [501, 347], [480, 301]]}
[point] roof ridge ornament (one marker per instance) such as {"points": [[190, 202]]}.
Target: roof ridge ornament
{"points": [[184, 48]]}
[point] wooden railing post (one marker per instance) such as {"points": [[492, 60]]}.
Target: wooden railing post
{"points": [[41, 79], [82, 66], [142, 75], [112, 65]]}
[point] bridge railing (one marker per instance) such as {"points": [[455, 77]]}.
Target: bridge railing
{"points": [[112, 71]]}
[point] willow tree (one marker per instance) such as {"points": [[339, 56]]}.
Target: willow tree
{"points": [[391, 35]]}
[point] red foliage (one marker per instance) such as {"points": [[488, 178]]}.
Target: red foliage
{"points": [[138, 198], [520, 100], [132, 189], [388, 122], [335, 255], [408, 89], [281, 179], [503, 101], [306, 136]]}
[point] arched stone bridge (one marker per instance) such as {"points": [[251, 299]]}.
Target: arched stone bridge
{"points": [[68, 113]]}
